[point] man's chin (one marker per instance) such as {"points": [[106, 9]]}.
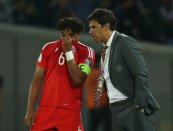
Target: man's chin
{"points": [[96, 40]]}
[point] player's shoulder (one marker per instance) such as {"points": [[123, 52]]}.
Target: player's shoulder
{"points": [[50, 45], [83, 46], [84, 49]]}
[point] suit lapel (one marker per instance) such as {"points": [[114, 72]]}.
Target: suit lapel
{"points": [[113, 45]]}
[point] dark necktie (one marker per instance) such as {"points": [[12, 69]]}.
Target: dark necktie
{"points": [[100, 80], [104, 52]]}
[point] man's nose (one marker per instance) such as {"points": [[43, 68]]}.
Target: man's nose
{"points": [[61, 37]]}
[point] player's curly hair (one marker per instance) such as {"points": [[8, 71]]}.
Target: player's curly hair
{"points": [[75, 24], [103, 16]]}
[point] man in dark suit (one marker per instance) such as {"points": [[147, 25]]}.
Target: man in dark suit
{"points": [[125, 75]]}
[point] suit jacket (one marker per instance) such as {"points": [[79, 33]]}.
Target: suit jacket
{"points": [[128, 71]]}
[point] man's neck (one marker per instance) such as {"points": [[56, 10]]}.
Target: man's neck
{"points": [[107, 36]]}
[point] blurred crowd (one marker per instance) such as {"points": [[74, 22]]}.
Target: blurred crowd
{"points": [[150, 20]]}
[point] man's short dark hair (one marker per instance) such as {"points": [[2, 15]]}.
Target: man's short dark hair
{"points": [[104, 16], [75, 24]]}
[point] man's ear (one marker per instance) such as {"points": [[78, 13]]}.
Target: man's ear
{"points": [[79, 35], [107, 26]]}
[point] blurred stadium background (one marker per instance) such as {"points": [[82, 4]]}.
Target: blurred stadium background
{"points": [[26, 25]]}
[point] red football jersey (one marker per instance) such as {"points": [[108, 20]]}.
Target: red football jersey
{"points": [[58, 88]]}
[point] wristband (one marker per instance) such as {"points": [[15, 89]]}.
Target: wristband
{"points": [[69, 55]]}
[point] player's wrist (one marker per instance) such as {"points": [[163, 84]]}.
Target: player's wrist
{"points": [[30, 109], [69, 55]]}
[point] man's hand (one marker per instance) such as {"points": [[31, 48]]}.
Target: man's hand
{"points": [[67, 43], [29, 118], [97, 97], [141, 110]]}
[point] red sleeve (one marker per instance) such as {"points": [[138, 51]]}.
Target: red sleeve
{"points": [[43, 58], [87, 56]]}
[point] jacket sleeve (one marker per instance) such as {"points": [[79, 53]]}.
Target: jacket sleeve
{"points": [[134, 60]]}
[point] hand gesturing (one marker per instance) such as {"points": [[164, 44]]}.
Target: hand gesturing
{"points": [[67, 43]]}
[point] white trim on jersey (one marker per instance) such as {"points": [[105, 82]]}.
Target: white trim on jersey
{"points": [[39, 58], [81, 122], [90, 51], [82, 44], [47, 44]]}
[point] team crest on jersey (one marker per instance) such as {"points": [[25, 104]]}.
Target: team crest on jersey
{"points": [[88, 62], [73, 49]]}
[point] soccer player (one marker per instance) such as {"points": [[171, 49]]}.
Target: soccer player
{"points": [[64, 66]]}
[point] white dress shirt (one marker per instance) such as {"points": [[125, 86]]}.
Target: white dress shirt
{"points": [[114, 94]]}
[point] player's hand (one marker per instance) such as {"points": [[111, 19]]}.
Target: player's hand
{"points": [[67, 43], [141, 110], [29, 118]]}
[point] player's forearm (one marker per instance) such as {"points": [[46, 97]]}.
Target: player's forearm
{"points": [[33, 95], [35, 87], [76, 74]]}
